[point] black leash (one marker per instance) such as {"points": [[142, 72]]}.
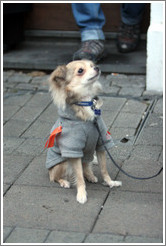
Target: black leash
{"points": [[129, 175]]}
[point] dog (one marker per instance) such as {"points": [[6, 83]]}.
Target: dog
{"points": [[71, 86]]}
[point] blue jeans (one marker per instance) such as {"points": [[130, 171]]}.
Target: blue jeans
{"points": [[90, 18]]}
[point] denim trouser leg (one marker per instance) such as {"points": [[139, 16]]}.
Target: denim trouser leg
{"points": [[131, 13], [90, 19]]}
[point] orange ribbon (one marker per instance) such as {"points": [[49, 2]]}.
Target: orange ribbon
{"points": [[51, 139]]}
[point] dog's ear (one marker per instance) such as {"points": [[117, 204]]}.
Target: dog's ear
{"points": [[58, 76]]}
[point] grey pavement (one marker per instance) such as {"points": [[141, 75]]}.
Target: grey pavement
{"points": [[37, 211]]}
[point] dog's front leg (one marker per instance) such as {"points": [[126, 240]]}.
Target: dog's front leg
{"points": [[101, 156], [81, 188]]}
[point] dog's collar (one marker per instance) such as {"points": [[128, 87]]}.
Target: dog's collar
{"points": [[84, 103], [91, 104]]}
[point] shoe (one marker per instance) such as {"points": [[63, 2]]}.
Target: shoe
{"points": [[91, 50], [128, 38]]}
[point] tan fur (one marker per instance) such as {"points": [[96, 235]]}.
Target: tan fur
{"points": [[67, 86]]}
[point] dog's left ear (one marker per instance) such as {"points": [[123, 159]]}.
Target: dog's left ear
{"points": [[58, 76]]}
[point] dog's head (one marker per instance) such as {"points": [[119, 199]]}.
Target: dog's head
{"points": [[75, 81]]}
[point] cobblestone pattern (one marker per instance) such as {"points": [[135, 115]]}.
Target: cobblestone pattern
{"points": [[36, 211]]}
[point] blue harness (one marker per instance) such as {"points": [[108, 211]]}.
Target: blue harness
{"points": [[91, 104]]}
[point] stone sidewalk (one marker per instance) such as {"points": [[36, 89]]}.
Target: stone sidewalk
{"points": [[36, 211]]}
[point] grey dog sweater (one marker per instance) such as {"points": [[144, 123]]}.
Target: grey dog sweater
{"points": [[78, 139]]}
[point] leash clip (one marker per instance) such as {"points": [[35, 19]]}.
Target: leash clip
{"points": [[96, 111], [94, 104]]}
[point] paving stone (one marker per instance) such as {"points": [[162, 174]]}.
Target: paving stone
{"points": [[104, 238], [28, 113], [111, 90], [10, 144], [17, 100], [121, 133], [26, 235], [131, 213], [50, 114], [113, 103], [123, 80], [154, 120], [158, 109], [134, 106], [133, 239], [133, 91], [43, 88], [65, 237], [151, 137], [121, 152], [118, 79], [38, 80], [19, 78], [10, 87], [14, 128], [51, 208], [138, 80], [40, 100], [5, 188], [141, 168], [9, 111], [13, 166], [6, 231], [36, 173], [161, 157], [7, 74], [127, 120], [106, 86], [5, 89], [109, 117], [39, 129], [31, 146], [146, 152], [28, 87]]}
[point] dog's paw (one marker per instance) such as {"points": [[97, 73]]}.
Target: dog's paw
{"points": [[82, 197], [92, 179], [115, 183], [64, 183], [112, 183]]}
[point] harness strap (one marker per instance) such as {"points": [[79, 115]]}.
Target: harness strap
{"points": [[84, 103], [91, 104]]}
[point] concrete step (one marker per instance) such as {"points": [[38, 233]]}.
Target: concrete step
{"points": [[46, 54]]}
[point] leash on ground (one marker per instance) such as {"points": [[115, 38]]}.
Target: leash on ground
{"points": [[114, 162]]}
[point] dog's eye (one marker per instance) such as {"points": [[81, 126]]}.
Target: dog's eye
{"points": [[80, 70]]}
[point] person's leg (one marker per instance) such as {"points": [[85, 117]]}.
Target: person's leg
{"points": [[129, 34], [90, 19], [131, 13]]}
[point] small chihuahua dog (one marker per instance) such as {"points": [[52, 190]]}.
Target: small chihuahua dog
{"points": [[74, 88]]}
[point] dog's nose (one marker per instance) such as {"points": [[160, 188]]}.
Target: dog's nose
{"points": [[96, 69]]}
